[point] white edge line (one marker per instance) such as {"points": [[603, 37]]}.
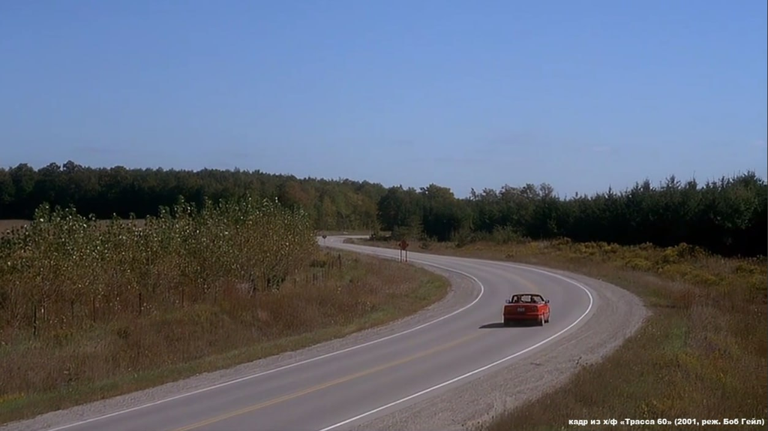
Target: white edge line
{"points": [[591, 301], [253, 376]]}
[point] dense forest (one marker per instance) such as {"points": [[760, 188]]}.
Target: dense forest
{"points": [[728, 216], [341, 204]]}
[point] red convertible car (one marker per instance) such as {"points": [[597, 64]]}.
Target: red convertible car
{"points": [[526, 307]]}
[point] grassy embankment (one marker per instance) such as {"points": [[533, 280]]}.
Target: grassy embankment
{"points": [[91, 310], [703, 353]]}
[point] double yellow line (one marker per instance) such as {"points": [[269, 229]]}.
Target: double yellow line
{"points": [[329, 384]]}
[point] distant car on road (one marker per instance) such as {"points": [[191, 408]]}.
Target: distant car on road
{"points": [[526, 307]]}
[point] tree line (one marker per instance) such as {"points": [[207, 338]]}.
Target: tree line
{"points": [[727, 216], [104, 192]]}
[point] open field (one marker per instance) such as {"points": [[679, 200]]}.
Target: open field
{"points": [[16, 223], [10, 224], [95, 310], [702, 354]]}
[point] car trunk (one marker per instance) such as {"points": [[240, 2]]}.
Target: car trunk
{"points": [[520, 309]]}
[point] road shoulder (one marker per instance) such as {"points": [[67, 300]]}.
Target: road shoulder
{"points": [[617, 316], [462, 292]]}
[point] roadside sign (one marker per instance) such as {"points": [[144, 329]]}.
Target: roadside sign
{"points": [[404, 248]]}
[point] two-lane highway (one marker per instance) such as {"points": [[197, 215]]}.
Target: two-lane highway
{"points": [[354, 385]]}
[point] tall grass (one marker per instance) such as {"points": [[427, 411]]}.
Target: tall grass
{"points": [[702, 354], [82, 301], [91, 309], [64, 272]]}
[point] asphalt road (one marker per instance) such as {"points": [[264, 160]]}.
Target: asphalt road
{"points": [[352, 386]]}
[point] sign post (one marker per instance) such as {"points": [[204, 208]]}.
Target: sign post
{"points": [[404, 248]]}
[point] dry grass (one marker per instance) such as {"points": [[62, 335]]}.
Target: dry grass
{"points": [[92, 310], [703, 354], [10, 224]]}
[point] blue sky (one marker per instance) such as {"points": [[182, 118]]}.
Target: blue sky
{"points": [[579, 94]]}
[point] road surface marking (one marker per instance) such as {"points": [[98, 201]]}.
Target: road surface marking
{"points": [[328, 384], [456, 379], [285, 367]]}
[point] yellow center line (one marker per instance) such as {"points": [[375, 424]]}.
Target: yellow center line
{"points": [[328, 384]]}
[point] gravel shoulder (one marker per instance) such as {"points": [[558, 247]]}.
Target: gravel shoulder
{"points": [[618, 315]]}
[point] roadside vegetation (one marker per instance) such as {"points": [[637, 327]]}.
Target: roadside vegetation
{"points": [[695, 252], [91, 309], [702, 354], [726, 216], [329, 204]]}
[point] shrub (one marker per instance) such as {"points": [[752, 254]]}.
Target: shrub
{"points": [[66, 271]]}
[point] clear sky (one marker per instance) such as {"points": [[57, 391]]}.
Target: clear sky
{"points": [[579, 94]]}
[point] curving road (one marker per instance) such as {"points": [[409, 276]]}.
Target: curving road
{"points": [[347, 387]]}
